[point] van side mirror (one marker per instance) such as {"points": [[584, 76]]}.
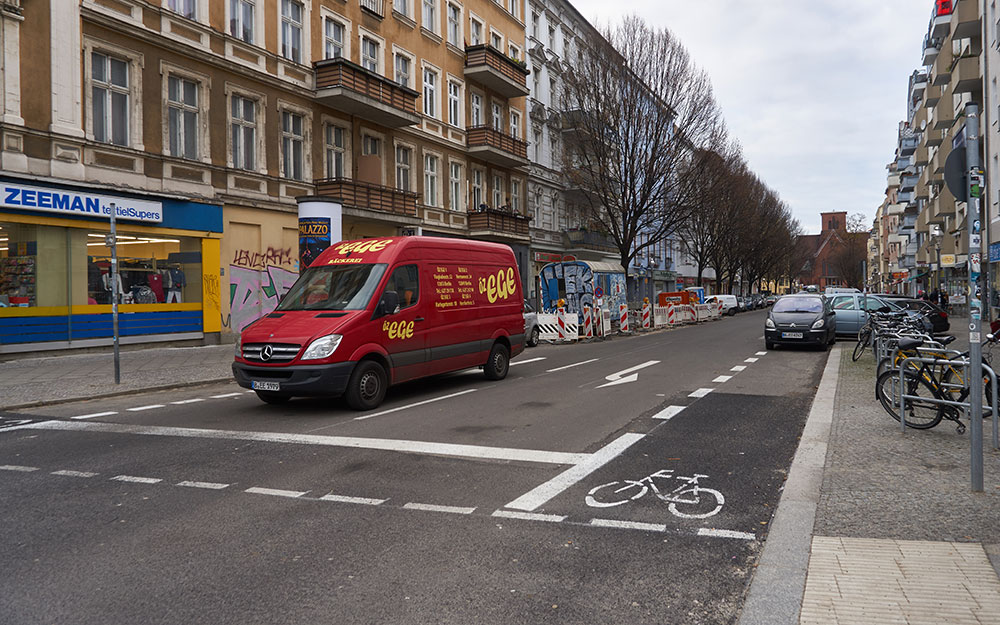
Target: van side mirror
{"points": [[388, 304]]}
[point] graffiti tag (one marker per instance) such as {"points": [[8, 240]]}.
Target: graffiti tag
{"points": [[261, 260], [253, 294]]}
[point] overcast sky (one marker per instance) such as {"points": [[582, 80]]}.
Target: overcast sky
{"points": [[813, 89]]}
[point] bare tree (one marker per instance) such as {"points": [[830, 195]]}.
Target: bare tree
{"points": [[644, 120]]}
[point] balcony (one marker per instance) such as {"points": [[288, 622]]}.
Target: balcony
{"points": [[904, 197], [495, 147], [576, 240], [931, 47], [944, 113], [908, 182], [965, 75], [366, 196], [498, 223], [493, 69], [931, 96], [965, 20], [919, 84], [374, 7], [940, 24], [350, 88], [908, 145], [920, 157]]}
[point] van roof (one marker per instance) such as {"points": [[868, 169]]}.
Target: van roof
{"points": [[386, 249]]}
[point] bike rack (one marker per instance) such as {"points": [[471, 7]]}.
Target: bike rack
{"points": [[965, 364]]}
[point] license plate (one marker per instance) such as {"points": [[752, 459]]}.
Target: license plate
{"points": [[791, 335], [265, 386]]}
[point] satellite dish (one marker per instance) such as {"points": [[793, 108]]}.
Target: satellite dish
{"points": [[923, 125]]}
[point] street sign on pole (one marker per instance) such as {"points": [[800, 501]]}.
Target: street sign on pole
{"points": [[974, 221]]}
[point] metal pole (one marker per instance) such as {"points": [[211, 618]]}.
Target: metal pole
{"points": [[114, 292], [974, 219]]}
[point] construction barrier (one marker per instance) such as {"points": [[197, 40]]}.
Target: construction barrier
{"points": [[703, 312], [549, 327], [561, 322], [588, 328], [646, 316], [661, 316], [623, 317], [605, 322]]}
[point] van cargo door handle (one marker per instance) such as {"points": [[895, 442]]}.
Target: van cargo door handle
{"points": [[419, 319]]}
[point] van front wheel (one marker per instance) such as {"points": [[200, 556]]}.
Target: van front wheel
{"points": [[367, 386], [498, 363]]}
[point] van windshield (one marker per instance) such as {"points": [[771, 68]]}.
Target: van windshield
{"points": [[331, 287]]}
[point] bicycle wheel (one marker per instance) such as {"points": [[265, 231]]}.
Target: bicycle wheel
{"points": [[864, 337], [921, 414], [708, 502], [619, 498], [954, 376]]}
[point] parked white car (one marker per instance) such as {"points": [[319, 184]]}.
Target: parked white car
{"points": [[729, 303]]}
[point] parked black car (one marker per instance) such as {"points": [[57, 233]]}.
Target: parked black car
{"points": [[801, 319], [937, 315]]}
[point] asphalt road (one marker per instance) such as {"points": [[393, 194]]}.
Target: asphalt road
{"points": [[567, 493]]}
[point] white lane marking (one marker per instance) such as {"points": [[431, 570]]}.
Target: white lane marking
{"points": [[629, 525], [187, 401], [524, 362], [383, 444], [136, 480], [15, 467], [74, 473], [226, 395], [429, 507], [275, 492], [529, 516], [141, 408], [622, 377], [739, 368], [345, 499], [575, 364], [701, 392], [208, 485], [96, 414], [704, 531], [751, 360], [723, 378], [250, 392], [761, 354], [669, 412], [536, 497], [408, 406]]}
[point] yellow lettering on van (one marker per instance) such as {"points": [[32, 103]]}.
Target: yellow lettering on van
{"points": [[499, 286], [369, 245], [398, 329]]}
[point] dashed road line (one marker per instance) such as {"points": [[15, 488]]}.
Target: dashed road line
{"points": [[429, 507], [408, 406], [187, 401], [95, 415], [141, 408], [206, 485], [761, 354], [629, 525], [704, 531], [723, 378], [226, 395], [701, 392], [739, 368], [529, 516], [16, 467], [575, 364], [275, 492], [524, 362], [751, 360], [366, 501], [75, 473], [669, 412], [134, 479]]}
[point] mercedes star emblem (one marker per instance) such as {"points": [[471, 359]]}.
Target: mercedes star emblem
{"points": [[266, 352]]}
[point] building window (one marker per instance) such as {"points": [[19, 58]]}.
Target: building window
{"points": [[515, 8], [244, 131], [402, 7], [496, 41], [335, 150], [186, 8], [515, 196], [292, 140], [515, 124], [513, 52], [333, 38], [403, 65], [456, 186], [182, 117], [291, 30], [430, 93], [477, 109], [430, 180], [477, 188], [497, 191], [537, 145], [430, 15], [497, 117], [369, 54], [371, 146], [454, 99], [241, 19], [534, 25], [404, 157], [476, 34], [454, 25], [110, 84]]}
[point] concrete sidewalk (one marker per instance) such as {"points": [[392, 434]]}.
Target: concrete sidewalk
{"points": [[30, 382], [876, 526]]}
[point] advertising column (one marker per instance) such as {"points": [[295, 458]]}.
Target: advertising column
{"points": [[320, 225]]}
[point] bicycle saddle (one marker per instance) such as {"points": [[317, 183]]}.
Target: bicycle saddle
{"points": [[944, 340], [905, 344]]}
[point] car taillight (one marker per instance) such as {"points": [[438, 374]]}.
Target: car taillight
{"points": [[944, 315]]}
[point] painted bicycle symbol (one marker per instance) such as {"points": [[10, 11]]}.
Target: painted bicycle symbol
{"points": [[690, 500]]}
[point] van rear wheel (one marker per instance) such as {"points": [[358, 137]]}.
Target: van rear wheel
{"points": [[498, 363], [367, 386]]}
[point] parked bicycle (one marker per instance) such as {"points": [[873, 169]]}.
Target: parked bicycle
{"points": [[690, 500]]}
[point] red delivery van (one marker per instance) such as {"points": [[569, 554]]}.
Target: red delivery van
{"points": [[367, 314]]}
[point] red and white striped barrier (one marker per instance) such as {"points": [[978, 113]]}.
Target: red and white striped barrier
{"points": [[719, 313], [646, 316], [588, 328], [671, 315], [561, 322], [623, 317]]}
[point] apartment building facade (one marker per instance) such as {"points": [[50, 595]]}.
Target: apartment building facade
{"points": [[203, 121]]}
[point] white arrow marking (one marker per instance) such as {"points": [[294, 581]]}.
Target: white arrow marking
{"points": [[622, 377]]}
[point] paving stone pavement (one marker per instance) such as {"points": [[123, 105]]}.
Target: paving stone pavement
{"points": [[899, 537], [33, 381]]}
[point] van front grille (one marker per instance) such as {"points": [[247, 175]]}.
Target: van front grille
{"points": [[278, 352]]}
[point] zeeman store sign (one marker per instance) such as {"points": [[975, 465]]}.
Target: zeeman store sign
{"points": [[73, 203]]}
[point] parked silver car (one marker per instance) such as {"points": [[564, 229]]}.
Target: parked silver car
{"points": [[530, 325]]}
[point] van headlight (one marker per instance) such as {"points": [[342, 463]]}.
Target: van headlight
{"points": [[239, 345], [817, 324], [769, 324], [323, 347]]}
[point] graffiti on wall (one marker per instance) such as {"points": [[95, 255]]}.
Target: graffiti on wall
{"points": [[262, 260], [575, 282], [254, 293]]}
